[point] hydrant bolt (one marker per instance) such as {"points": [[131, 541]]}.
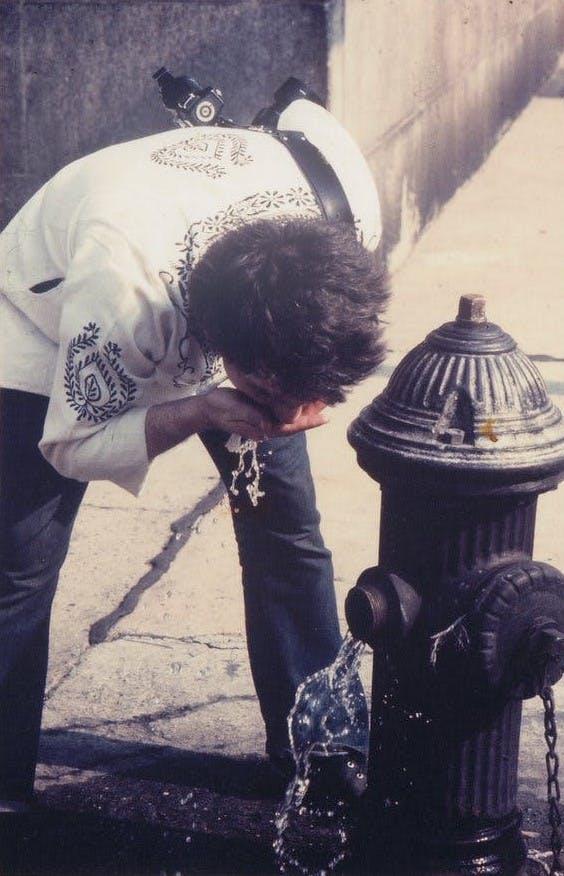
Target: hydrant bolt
{"points": [[472, 308], [546, 650]]}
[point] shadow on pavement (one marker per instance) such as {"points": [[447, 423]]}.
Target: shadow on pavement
{"points": [[132, 809], [124, 808], [71, 844], [245, 777]]}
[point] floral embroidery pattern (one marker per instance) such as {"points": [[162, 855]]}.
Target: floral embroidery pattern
{"points": [[297, 202], [210, 152], [96, 384]]}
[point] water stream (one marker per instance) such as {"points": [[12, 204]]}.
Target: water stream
{"points": [[329, 715], [247, 465]]}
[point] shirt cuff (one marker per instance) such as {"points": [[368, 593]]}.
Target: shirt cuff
{"points": [[117, 452], [129, 445]]}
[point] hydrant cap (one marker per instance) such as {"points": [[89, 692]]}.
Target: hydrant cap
{"points": [[466, 403]]}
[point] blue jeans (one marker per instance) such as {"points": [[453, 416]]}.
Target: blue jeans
{"points": [[291, 615], [290, 606]]}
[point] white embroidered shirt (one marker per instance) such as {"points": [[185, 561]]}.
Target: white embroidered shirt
{"points": [[94, 274]]}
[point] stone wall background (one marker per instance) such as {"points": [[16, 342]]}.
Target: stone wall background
{"points": [[426, 86]]}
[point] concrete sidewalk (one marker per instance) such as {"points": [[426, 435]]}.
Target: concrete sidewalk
{"points": [[151, 715]]}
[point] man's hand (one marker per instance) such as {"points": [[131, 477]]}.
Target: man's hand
{"points": [[228, 410], [232, 411], [309, 417]]}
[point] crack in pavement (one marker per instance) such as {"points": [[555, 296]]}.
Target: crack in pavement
{"points": [[232, 642], [181, 531]]}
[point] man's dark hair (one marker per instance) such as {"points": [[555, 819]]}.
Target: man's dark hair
{"points": [[297, 300]]}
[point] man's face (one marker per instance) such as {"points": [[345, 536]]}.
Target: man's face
{"points": [[265, 392]]}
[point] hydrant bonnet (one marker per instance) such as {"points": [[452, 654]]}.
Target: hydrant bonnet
{"points": [[466, 403]]}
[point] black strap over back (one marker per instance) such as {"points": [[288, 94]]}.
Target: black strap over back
{"points": [[324, 182]]}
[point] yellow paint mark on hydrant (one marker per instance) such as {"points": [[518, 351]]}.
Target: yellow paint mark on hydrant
{"points": [[487, 430]]}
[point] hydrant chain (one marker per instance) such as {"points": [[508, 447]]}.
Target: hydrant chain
{"points": [[553, 784]]}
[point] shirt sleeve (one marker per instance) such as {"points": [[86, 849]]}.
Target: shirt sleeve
{"points": [[115, 324]]}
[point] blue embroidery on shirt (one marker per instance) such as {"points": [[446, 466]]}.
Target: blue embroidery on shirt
{"points": [[96, 384]]}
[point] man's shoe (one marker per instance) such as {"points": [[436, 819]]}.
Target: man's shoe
{"points": [[336, 775], [18, 826], [17, 807]]}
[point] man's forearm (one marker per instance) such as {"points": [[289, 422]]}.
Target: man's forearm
{"points": [[229, 410], [170, 423]]}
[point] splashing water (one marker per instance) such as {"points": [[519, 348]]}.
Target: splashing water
{"points": [[330, 709], [243, 447], [329, 715]]}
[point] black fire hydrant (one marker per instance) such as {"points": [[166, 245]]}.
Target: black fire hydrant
{"points": [[464, 624]]}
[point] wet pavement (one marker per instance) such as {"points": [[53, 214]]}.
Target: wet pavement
{"points": [[152, 751]]}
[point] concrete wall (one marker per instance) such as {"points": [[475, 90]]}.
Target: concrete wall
{"points": [[77, 74], [424, 85], [427, 86]]}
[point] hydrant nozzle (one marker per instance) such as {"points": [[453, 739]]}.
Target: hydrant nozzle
{"points": [[381, 606]]}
